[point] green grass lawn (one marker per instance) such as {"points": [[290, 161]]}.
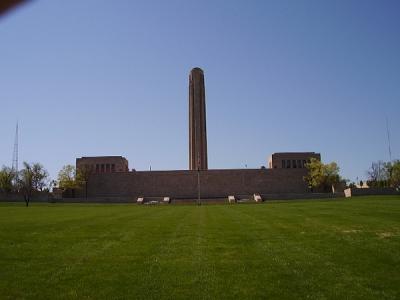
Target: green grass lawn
{"points": [[334, 249]]}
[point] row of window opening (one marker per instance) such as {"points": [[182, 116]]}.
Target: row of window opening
{"points": [[105, 168], [294, 163]]}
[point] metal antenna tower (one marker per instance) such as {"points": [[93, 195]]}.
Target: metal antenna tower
{"points": [[388, 136], [14, 165]]}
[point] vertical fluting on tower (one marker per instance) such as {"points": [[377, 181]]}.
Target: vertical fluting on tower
{"points": [[197, 121]]}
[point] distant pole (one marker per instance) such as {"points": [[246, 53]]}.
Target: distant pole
{"points": [[388, 137], [14, 165], [198, 185], [198, 181]]}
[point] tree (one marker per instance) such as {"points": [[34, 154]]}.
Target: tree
{"points": [[331, 175], [315, 174], [25, 182], [40, 177], [394, 172], [32, 178], [67, 177], [378, 174], [324, 176], [7, 176], [83, 175], [384, 174], [71, 178]]}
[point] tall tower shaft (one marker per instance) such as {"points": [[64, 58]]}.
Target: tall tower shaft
{"points": [[197, 121]]}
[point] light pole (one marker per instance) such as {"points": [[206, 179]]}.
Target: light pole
{"points": [[198, 187]]}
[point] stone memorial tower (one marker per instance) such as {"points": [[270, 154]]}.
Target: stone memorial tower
{"points": [[197, 121]]}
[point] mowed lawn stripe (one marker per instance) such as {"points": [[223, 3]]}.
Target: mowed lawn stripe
{"points": [[64, 256], [303, 252], [300, 249]]}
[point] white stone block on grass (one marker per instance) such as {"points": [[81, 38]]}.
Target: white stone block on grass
{"points": [[257, 198]]}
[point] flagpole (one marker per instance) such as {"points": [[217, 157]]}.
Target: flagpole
{"points": [[198, 180]]}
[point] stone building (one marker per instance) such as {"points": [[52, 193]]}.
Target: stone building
{"points": [[111, 180], [291, 160], [103, 164]]}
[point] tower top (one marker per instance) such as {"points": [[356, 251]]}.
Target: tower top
{"points": [[197, 69]]}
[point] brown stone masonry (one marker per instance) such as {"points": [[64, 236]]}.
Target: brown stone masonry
{"points": [[183, 184]]}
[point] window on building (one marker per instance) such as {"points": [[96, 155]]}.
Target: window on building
{"points": [[288, 164], [113, 168], [108, 168], [304, 163], [97, 168], [283, 164], [294, 163], [102, 168], [299, 164]]}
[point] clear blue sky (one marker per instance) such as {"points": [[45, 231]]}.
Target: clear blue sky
{"points": [[111, 78]]}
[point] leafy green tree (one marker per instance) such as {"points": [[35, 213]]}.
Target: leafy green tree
{"points": [[40, 177], [315, 174], [71, 178], [7, 176], [322, 176], [67, 177], [331, 175]]}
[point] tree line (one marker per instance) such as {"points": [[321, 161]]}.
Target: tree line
{"points": [[384, 174], [323, 177], [34, 178]]}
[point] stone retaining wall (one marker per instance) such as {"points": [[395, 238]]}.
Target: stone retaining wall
{"points": [[374, 191], [184, 184]]}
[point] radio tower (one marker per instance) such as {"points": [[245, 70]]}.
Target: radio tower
{"points": [[388, 137], [14, 166]]}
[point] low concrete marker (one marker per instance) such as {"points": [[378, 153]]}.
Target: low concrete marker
{"points": [[257, 198], [231, 199]]}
